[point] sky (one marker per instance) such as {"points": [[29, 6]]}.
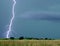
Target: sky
{"points": [[29, 28]]}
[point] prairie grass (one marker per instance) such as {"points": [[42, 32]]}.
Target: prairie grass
{"points": [[29, 42]]}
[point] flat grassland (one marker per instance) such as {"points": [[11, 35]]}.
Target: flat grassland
{"points": [[29, 42]]}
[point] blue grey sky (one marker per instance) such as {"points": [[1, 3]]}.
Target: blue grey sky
{"points": [[29, 28]]}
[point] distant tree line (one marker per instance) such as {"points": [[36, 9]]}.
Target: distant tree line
{"points": [[28, 38]]}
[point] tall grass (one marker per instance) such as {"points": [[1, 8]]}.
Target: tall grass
{"points": [[29, 42]]}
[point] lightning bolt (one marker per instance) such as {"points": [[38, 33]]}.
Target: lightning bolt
{"points": [[11, 21]]}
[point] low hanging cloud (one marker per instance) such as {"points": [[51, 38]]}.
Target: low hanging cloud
{"points": [[52, 16]]}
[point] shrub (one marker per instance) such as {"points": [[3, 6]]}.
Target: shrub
{"points": [[46, 38], [20, 38], [12, 38]]}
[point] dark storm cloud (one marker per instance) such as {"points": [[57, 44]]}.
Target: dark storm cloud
{"points": [[41, 16]]}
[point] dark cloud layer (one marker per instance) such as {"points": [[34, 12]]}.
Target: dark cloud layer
{"points": [[41, 16]]}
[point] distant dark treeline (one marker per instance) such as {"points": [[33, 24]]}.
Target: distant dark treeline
{"points": [[27, 38]]}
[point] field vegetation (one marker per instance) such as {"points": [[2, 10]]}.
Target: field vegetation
{"points": [[21, 41], [29, 42]]}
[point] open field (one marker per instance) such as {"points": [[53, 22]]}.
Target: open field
{"points": [[29, 42]]}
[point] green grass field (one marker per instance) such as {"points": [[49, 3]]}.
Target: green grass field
{"points": [[29, 42]]}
